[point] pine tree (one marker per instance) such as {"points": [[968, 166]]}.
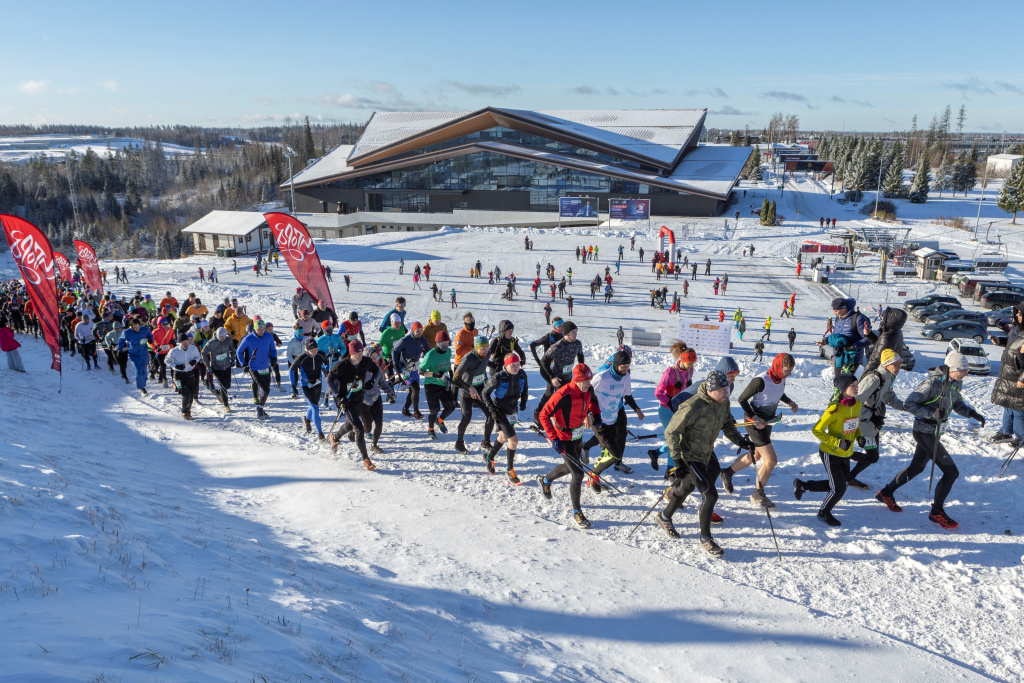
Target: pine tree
{"points": [[1011, 197], [754, 165], [892, 185], [919, 185], [943, 177], [764, 212], [307, 141], [961, 116], [746, 136], [961, 180], [734, 138], [772, 217]]}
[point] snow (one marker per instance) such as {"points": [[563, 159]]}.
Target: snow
{"points": [[135, 545], [21, 149]]}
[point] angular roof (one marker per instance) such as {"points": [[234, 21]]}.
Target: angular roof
{"points": [[656, 136], [326, 166], [235, 223]]}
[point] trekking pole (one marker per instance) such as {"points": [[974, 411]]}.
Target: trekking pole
{"points": [[641, 437], [589, 470], [646, 515], [938, 433], [1008, 461], [774, 537]]}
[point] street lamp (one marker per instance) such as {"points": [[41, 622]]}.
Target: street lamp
{"points": [[290, 154], [879, 190]]}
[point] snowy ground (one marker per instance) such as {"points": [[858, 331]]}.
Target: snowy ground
{"points": [[138, 546]]}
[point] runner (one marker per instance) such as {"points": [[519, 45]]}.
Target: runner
{"points": [[263, 352], [374, 384], [405, 362], [613, 390], [219, 356], [310, 368], [435, 369], [183, 360], [674, 379], [345, 380], [470, 377], [502, 392], [874, 395]]}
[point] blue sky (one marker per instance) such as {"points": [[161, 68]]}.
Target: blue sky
{"points": [[871, 67]]}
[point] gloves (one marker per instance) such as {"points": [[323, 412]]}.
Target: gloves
{"points": [[977, 416], [844, 444], [180, 368], [747, 444], [391, 398], [522, 405], [559, 448], [878, 421]]}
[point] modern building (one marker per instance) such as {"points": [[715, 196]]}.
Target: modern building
{"points": [[246, 232], [523, 161]]}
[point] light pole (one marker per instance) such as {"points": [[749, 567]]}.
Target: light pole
{"points": [[879, 190], [290, 154], [980, 200]]}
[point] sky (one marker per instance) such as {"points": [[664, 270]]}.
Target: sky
{"points": [[258, 63]]}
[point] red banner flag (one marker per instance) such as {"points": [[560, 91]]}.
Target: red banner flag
{"points": [[90, 266], [63, 266], [34, 256], [294, 242]]}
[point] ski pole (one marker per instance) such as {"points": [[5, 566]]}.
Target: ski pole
{"points": [[1008, 461], [774, 537], [646, 515], [594, 474], [641, 437]]}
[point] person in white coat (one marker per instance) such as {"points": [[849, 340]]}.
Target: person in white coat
{"points": [[182, 360]]}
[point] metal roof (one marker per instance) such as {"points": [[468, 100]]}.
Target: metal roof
{"points": [[331, 164], [659, 134], [233, 223]]}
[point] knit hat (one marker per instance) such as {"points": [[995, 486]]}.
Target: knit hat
{"points": [[311, 344], [716, 380], [688, 356], [838, 303], [956, 361], [510, 359], [417, 326], [183, 337], [581, 372], [325, 324], [889, 356], [442, 337], [480, 341], [355, 346], [843, 380], [435, 315], [568, 326], [620, 358], [259, 325]]}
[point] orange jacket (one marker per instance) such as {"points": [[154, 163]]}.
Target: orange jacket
{"points": [[169, 301], [463, 344], [163, 340], [236, 326]]}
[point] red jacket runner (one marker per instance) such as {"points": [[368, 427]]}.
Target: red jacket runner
{"points": [[562, 417]]}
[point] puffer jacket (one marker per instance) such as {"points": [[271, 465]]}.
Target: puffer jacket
{"points": [[303, 302], [235, 325], [692, 431], [501, 346], [1011, 370], [923, 400], [852, 327], [890, 336]]}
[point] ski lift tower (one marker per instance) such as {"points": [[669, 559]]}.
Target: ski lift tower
{"points": [[68, 161]]}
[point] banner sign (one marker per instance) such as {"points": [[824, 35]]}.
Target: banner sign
{"points": [[90, 266], [295, 244], [704, 336], [34, 256], [63, 266], [629, 209], [577, 207], [819, 166]]}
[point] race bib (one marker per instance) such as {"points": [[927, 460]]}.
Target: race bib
{"points": [[177, 385], [264, 372], [221, 356], [513, 418], [479, 379], [850, 425], [870, 443], [165, 347], [577, 433]]}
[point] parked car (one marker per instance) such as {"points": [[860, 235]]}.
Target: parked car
{"points": [[977, 357], [928, 300], [954, 329], [1000, 298], [994, 316], [983, 288], [1004, 324], [935, 309], [958, 314]]}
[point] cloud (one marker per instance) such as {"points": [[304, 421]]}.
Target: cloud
{"points": [[382, 86], [859, 103], [783, 95], [482, 89], [1003, 85], [969, 86], [731, 111], [33, 87], [713, 92], [394, 103], [289, 119], [110, 84], [585, 90]]}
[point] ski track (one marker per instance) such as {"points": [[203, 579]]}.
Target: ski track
{"points": [[957, 594]]}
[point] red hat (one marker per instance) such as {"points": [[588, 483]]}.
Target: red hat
{"points": [[510, 359], [355, 346], [325, 324], [442, 336], [417, 325], [581, 373]]}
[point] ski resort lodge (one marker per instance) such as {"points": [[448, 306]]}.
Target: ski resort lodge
{"points": [[438, 164], [230, 233]]}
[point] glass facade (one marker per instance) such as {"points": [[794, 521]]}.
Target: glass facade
{"points": [[487, 171], [501, 134]]}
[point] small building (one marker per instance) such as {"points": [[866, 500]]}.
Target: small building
{"points": [[928, 262], [246, 232], [1003, 163]]}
